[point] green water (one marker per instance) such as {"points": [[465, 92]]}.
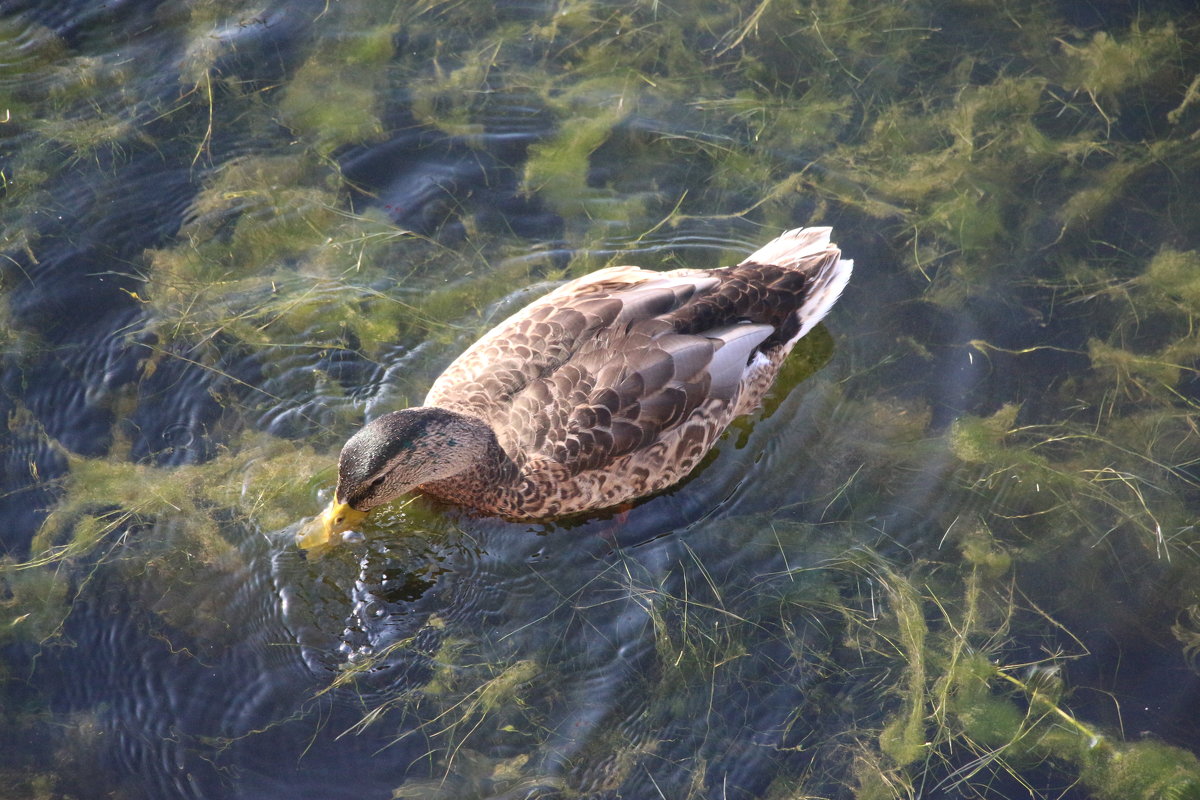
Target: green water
{"points": [[954, 556]]}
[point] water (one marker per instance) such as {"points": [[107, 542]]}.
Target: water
{"points": [[954, 555]]}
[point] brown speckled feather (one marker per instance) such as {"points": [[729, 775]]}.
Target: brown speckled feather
{"points": [[616, 384]]}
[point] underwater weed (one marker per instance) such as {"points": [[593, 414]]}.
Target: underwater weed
{"points": [[1074, 479], [977, 719], [557, 170], [466, 699], [1106, 66], [170, 525]]}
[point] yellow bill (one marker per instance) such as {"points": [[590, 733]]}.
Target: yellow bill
{"points": [[321, 530]]}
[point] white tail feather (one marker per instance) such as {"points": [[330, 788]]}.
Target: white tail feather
{"points": [[792, 249], [828, 284]]}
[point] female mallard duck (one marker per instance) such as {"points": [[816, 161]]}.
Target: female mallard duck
{"points": [[611, 387]]}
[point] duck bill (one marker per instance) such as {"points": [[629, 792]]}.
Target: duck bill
{"points": [[321, 531]]}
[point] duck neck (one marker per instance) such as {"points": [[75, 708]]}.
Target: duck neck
{"points": [[490, 468]]}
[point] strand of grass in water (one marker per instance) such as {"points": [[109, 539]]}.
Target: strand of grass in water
{"points": [[1034, 694]]}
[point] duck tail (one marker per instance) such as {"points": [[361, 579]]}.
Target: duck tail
{"points": [[810, 251]]}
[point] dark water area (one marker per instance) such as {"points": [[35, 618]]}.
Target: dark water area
{"points": [[954, 555]]}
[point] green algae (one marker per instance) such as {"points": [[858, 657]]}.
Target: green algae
{"points": [[35, 603], [1105, 66], [249, 482], [335, 97], [329, 105], [972, 702], [172, 527], [558, 169], [1176, 274]]}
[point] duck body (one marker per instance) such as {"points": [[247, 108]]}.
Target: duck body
{"points": [[612, 387]]}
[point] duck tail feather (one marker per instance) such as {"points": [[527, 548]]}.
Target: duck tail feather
{"points": [[793, 248], [826, 287]]}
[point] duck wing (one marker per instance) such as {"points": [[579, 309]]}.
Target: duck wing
{"points": [[539, 339], [630, 392], [620, 359]]}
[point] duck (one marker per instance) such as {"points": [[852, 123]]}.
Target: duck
{"points": [[610, 388]]}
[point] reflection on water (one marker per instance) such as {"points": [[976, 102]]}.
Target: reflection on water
{"points": [[953, 555]]}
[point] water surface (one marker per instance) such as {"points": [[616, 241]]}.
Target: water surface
{"points": [[954, 555]]}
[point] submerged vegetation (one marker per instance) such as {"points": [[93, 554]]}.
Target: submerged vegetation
{"points": [[308, 210]]}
